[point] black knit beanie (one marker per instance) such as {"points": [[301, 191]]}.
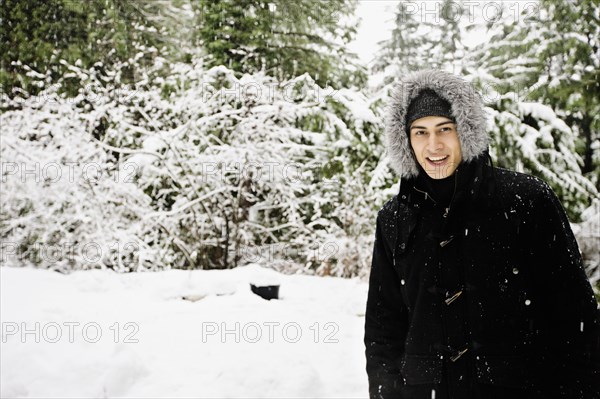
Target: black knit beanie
{"points": [[427, 103]]}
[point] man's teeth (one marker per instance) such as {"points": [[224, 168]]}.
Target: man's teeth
{"points": [[437, 158]]}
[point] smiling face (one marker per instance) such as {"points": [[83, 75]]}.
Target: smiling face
{"points": [[435, 142]]}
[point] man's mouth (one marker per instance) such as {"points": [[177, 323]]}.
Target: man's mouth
{"points": [[437, 160]]}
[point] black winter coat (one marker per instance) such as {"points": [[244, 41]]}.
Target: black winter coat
{"points": [[486, 299]]}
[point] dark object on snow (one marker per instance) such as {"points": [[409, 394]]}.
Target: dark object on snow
{"points": [[266, 291], [193, 297]]}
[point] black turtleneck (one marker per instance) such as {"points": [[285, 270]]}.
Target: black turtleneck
{"points": [[440, 190], [443, 190]]}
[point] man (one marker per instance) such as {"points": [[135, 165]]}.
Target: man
{"points": [[477, 288]]}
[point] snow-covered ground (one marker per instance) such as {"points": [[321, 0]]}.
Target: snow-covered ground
{"points": [[101, 334]]}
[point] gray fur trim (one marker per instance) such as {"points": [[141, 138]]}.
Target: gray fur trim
{"points": [[467, 109]]}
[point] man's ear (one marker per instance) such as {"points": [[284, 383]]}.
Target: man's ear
{"points": [[412, 152]]}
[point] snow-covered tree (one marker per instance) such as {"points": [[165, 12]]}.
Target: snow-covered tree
{"points": [[445, 42], [269, 164], [282, 38], [44, 34], [551, 55], [404, 50], [218, 171], [425, 35], [69, 199], [530, 137]]}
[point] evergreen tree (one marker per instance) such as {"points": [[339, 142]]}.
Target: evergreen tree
{"points": [[425, 35], [404, 51], [42, 36], [551, 55], [283, 38], [530, 137], [445, 42], [32, 33]]}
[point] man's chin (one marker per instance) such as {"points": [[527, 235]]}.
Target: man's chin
{"points": [[440, 173]]}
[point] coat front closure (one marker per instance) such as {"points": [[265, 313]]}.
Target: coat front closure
{"points": [[459, 267], [432, 270]]}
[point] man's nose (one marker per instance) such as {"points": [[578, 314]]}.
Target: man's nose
{"points": [[434, 142]]}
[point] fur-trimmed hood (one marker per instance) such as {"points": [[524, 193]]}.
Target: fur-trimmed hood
{"points": [[467, 109]]}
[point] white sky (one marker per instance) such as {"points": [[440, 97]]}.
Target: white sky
{"points": [[377, 21]]}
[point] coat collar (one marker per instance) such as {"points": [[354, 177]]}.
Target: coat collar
{"points": [[474, 186]]}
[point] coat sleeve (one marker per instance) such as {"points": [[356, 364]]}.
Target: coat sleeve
{"points": [[386, 319], [568, 301]]}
